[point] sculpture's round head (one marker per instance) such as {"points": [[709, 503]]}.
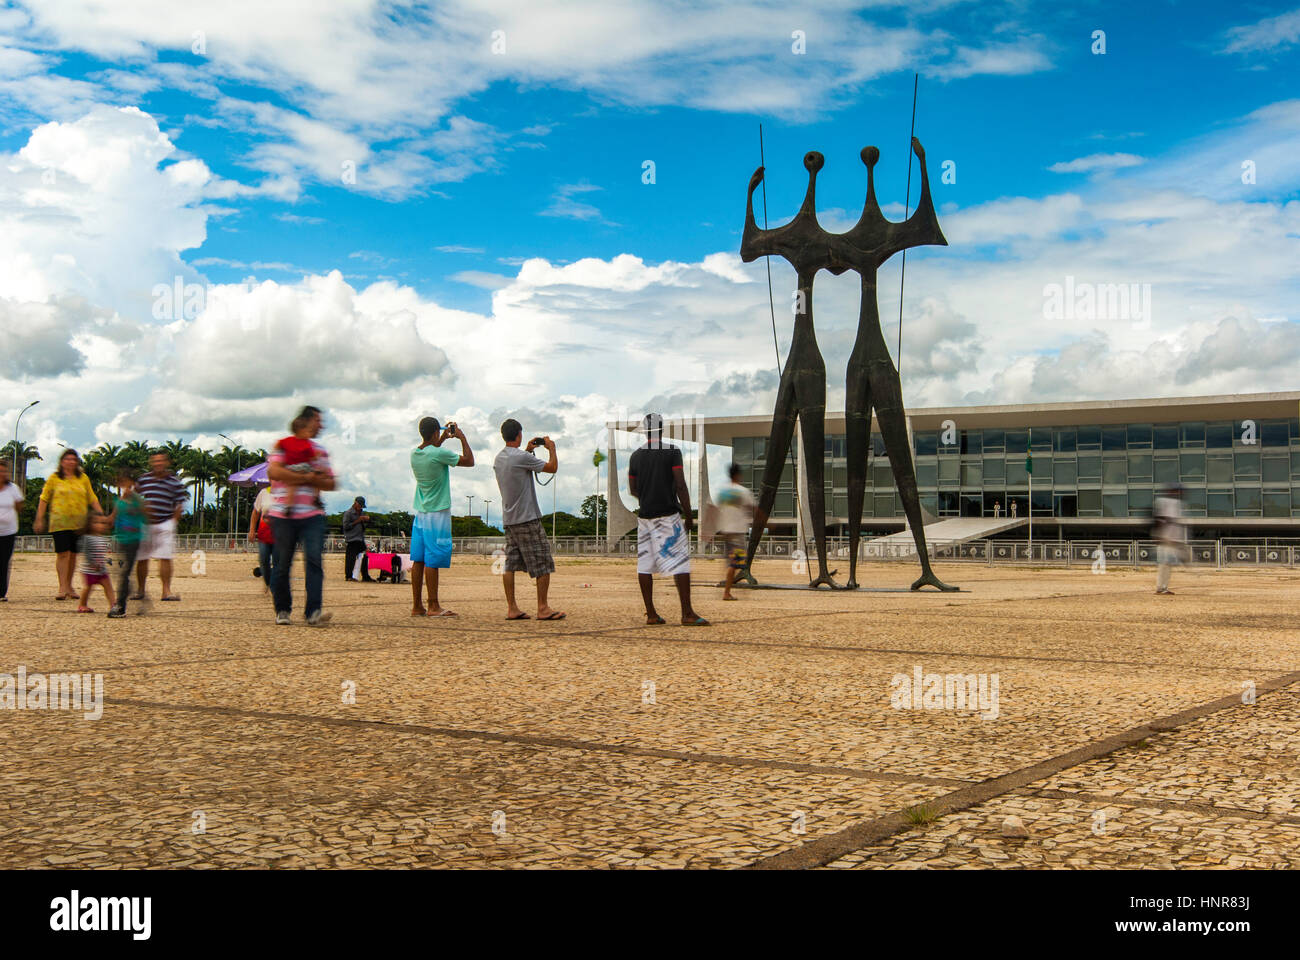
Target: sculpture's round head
{"points": [[813, 161], [870, 155]]}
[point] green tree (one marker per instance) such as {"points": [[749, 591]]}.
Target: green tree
{"points": [[18, 464], [594, 508]]}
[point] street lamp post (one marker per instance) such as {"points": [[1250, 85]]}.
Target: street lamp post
{"points": [[487, 512], [16, 422], [229, 485], [469, 505]]}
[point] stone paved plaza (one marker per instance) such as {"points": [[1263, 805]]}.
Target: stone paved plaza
{"points": [[1120, 739]]}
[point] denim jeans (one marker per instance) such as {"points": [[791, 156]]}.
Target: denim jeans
{"points": [[265, 553], [289, 532]]}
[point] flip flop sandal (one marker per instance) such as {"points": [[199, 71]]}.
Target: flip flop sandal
{"points": [[522, 616], [444, 613], [173, 598], [84, 610], [698, 622], [655, 622], [554, 616]]}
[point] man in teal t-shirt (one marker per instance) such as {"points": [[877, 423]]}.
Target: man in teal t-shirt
{"points": [[431, 531]]}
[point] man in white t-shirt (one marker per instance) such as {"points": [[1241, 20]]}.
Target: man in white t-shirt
{"points": [[735, 514], [1170, 534]]}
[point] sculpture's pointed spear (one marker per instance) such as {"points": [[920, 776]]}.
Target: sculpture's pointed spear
{"points": [[907, 208]]}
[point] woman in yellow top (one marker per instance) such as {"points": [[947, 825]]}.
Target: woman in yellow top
{"points": [[67, 497]]}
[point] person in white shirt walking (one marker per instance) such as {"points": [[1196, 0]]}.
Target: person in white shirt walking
{"points": [[735, 514], [1170, 534]]}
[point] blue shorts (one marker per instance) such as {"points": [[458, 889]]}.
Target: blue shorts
{"points": [[431, 539]]}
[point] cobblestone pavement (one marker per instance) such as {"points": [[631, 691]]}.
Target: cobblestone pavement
{"points": [[1118, 734]]}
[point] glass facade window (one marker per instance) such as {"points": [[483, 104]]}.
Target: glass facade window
{"points": [[1017, 476], [995, 469], [1065, 472], [1089, 438], [1247, 466], [1274, 433], [972, 474], [877, 445], [1193, 435], [926, 475], [1166, 436], [1064, 441], [1114, 504], [949, 469], [1219, 503], [1090, 467], [1277, 503], [1040, 438], [882, 476], [1017, 441], [884, 505], [1218, 469], [1249, 501], [927, 444], [1194, 501], [972, 441], [994, 441], [840, 476], [1139, 503], [1114, 472], [1114, 438], [1192, 466], [1139, 436], [1295, 466], [742, 449], [1218, 436], [1166, 470], [1276, 469], [1090, 503], [1139, 467]]}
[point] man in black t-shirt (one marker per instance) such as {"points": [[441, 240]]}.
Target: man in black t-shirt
{"points": [[664, 521]]}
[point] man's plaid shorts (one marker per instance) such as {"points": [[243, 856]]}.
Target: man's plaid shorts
{"points": [[528, 549]]}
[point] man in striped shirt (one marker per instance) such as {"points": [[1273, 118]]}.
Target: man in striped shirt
{"points": [[297, 515], [164, 497]]}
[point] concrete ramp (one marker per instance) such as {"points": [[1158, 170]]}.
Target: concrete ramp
{"points": [[948, 531]]}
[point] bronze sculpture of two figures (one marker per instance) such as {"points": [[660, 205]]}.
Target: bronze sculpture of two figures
{"points": [[872, 378]]}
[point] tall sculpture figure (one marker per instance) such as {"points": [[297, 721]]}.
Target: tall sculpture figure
{"points": [[870, 375], [802, 391]]}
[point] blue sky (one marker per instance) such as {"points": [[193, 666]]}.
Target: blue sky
{"points": [[499, 250]]}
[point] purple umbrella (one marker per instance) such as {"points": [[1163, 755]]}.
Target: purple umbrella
{"points": [[250, 477]]}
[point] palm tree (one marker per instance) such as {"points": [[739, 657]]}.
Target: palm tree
{"points": [[201, 469], [136, 455], [16, 454]]}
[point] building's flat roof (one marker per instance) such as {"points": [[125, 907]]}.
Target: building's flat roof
{"points": [[1242, 406]]}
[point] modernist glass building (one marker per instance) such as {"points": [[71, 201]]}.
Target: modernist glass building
{"points": [[1096, 467]]}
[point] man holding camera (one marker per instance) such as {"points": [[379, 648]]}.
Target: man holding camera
{"points": [[355, 519], [526, 545], [431, 530]]}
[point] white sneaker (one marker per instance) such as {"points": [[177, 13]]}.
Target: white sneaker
{"points": [[319, 619], [282, 618]]}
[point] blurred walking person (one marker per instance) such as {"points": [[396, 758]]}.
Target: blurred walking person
{"points": [[664, 521], [66, 501], [354, 537], [1171, 535], [130, 524], [431, 529], [527, 547], [96, 550], [259, 532], [735, 514], [298, 517], [10, 499], [164, 496]]}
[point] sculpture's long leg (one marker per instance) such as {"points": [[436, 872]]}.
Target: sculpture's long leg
{"points": [[857, 417], [887, 392], [778, 449], [812, 420]]}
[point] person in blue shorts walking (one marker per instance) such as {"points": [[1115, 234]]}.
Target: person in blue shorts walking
{"points": [[431, 531]]}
